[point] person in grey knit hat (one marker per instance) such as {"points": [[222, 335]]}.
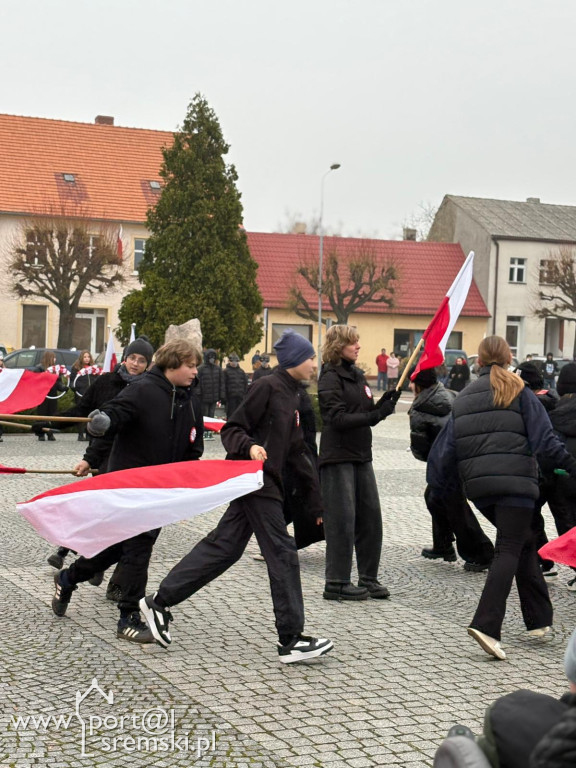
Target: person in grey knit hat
{"points": [[140, 346]]}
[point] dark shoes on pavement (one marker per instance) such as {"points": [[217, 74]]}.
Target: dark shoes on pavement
{"points": [[435, 554], [376, 591], [301, 648], [62, 595], [56, 560], [476, 567], [158, 619], [133, 629], [113, 592], [337, 591]]}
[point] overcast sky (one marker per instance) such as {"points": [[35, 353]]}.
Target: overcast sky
{"points": [[415, 98]]}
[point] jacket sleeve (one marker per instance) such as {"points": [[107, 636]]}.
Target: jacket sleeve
{"points": [[333, 406], [558, 748], [544, 443], [237, 433], [440, 472]]}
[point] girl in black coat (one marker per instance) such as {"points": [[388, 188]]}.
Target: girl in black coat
{"points": [[352, 518], [459, 375]]}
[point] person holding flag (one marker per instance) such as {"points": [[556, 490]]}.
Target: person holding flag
{"points": [[497, 434], [156, 420]]}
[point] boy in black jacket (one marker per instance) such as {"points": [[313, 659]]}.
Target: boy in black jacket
{"points": [[266, 427], [157, 420]]}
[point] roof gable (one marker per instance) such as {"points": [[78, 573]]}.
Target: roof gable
{"points": [[523, 220], [112, 168], [427, 270]]}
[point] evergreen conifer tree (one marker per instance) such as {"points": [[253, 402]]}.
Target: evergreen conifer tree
{"points": [[197, 262]]}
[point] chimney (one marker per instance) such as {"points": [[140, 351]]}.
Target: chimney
{"points": [[409, 233], [104, 120], [299, 228], [532, 199]]}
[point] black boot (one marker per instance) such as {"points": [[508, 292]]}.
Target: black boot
{"points": [[51, 437], [336, 591], [436, 554]]}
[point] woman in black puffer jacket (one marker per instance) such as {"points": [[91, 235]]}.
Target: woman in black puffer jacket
{"points": [[352, 517]]}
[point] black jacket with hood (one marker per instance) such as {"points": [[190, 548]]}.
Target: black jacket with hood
{"points": [[210, 379], [428, 413]]}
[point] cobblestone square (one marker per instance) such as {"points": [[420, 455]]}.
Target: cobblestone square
{"points": [[401, 673]]}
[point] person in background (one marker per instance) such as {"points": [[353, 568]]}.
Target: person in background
{"points": [[50, 405], [550, 369], [392, 371], [459, 375], [211, 385], [381, 365], [79, 384], [264, 369], [496, 435], [256, 360], [235, 384]]}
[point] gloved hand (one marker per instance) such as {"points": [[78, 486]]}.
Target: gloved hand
{"points": [[100, 423], [392, 394], [387, 403], [39, 426]]}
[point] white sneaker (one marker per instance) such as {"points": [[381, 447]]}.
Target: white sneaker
{"points": [[541, 632], [571, 585], [302, 648], [487, 643], [550, 576]]}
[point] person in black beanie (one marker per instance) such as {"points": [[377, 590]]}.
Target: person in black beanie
{"points": [[235, 384], [451, 514], [265, 427], [353, 518]]}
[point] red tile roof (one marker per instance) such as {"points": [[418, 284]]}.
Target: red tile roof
{"points": [[112, 167], [427, 270]]}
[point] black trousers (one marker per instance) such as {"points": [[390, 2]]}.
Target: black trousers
{"points": [[452, 516], [352, 520], [225, 545], [208, 409], [133, 555], [515, 555], [231, 404]]}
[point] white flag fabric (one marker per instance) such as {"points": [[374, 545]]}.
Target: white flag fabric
{"points": [[132, 333], [90, 515], [20, 389], [110, 356]]}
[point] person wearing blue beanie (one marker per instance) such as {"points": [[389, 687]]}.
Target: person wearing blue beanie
{"points": [[292, 349]]}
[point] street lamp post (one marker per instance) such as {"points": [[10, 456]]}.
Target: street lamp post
{"points": [[333, 167]]}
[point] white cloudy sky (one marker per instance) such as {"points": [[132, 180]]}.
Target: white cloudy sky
{"points": [[415, 98]]}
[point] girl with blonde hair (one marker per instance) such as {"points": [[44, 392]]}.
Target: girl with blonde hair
{"points": [[498, 433]]}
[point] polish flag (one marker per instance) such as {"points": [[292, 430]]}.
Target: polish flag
{"points": [[214, 425], [119, 243], [20, 389], [92, 514], [561, 550], [438, 332], [132, 333], [110, 360]]}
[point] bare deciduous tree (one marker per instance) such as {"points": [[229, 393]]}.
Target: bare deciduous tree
{"points": [[556, 296], [61, 259]]}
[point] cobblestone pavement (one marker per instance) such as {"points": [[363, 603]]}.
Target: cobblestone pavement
{"points": [[402, 671]]}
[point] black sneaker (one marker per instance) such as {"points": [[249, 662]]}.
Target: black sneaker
{"points": [[157, 619], [62, 595], [113, 592], [376, 590], [336, 591], [56, 560], [434, 554], [301, 648], [97, 579], [132, 628]]}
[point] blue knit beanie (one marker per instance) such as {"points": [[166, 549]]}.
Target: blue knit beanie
{"points": [[293, 349]]}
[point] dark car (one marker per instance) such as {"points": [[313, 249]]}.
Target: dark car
{"points": [[30, 358]]}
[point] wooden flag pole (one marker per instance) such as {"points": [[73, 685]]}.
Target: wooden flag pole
{"points": [[25, 417], [24, 426], [406, 370], [21, 471]]}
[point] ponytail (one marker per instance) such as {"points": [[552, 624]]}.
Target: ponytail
{"points": [[506, 386]]}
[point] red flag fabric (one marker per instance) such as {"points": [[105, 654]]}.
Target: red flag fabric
{"points": [[20, 389], [213, 425], [92, 514], [11, 470], [561, 550], [437, 334]]}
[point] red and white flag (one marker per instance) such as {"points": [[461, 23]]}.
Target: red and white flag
{"points": [[110, 360], [132, 333], [95, 513], [119, 243], [20, 389], [213, 425], [438, 332], [561, 550]]}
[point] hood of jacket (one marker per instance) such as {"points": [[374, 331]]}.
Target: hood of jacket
{"points": [[436, 400]]}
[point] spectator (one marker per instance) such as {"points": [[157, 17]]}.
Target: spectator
{"points": [[256, 360], [235, 385], [550, 371], [392, 370], [211, 385], [381, 365], [459, 375], [264, 369]]}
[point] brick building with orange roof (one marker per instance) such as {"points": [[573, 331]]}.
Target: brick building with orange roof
{"points": [[110, 175]]}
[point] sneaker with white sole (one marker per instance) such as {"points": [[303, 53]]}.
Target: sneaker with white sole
{"points": [[550, 576], [487, 643], [541, 632], [301, 648], [571, 585], [157, 618], [132, 628], [62, 595]]}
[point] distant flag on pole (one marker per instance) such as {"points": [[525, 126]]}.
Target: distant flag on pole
{"points": [[437, 334], [132, 333], [119, 243], [110, 356]]}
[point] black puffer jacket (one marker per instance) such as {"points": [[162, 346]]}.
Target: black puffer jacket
{"points": [[235, 382], [269, 416], [260, 372], [211, 382], [154, 422], [558, 748], [429, 412], [348, 413]]}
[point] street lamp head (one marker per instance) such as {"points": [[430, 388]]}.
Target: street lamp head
{"points": [[334, 166]]}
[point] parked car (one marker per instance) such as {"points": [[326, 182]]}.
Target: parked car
{"points": [[451, 355], [31, 357]]}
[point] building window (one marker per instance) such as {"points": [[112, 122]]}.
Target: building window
{"points": [[33, 325], [405, 341], [547, 272], [513, 333], [279, 328], [517, 271], [139, 250]]}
